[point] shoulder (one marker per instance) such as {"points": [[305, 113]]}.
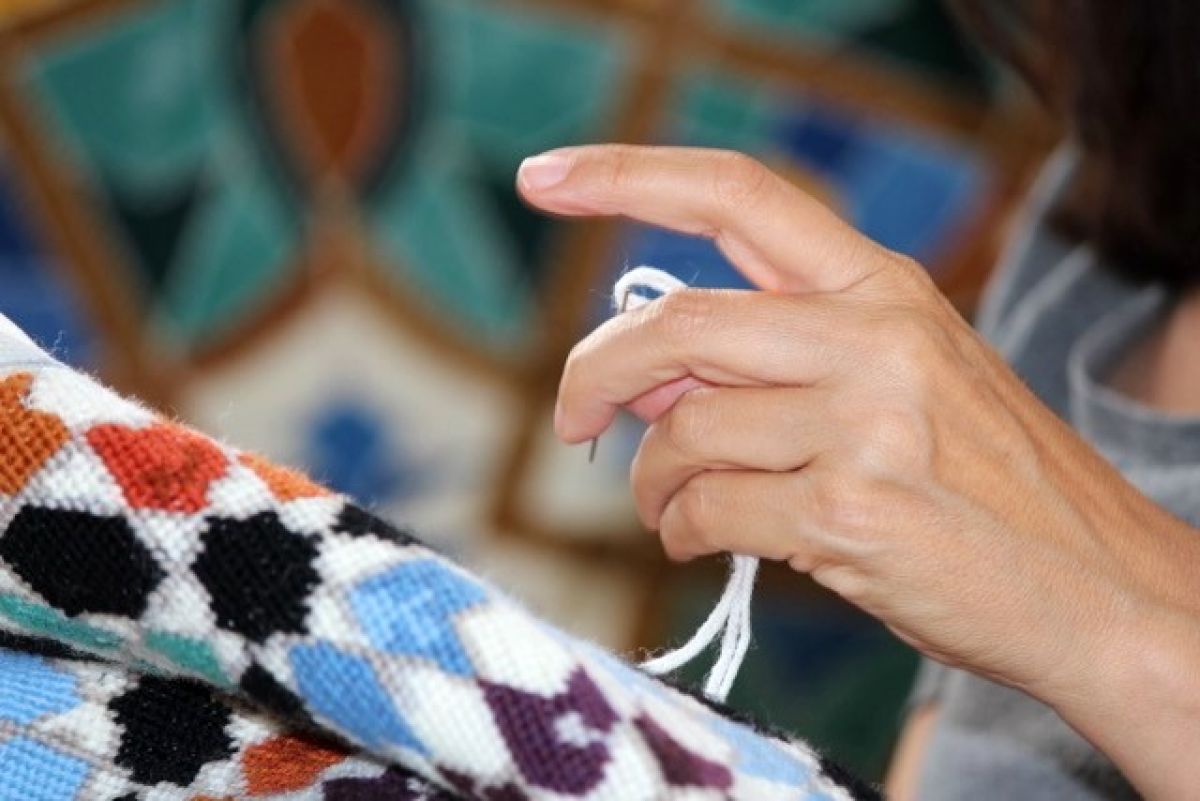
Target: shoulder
{"points": [[1034, 250]]}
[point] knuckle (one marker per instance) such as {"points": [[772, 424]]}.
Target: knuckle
{"points": [[916, 342], [804, 562], [911, 330], [739, 180], [694, 508], [689, 507], [674, 544], [685, 532], [681, 315], [910, 268], [891, 441], [643, 492], [843, 505], [688, 425], [844, 579], [907, 275], [620, 170]]}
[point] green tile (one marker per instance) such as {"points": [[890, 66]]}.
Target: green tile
{"points": [[516, 81], [813, 18], [447, 247], [135, 96], [45, 620], [191, 654], [715, 109], [235, 256]]}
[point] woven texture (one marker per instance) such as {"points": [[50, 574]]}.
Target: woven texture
{"points": [[187, 621]]}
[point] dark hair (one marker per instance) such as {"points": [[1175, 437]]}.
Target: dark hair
{"points": [[1124, 75]]}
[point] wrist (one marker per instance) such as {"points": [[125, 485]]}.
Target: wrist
{"points": [[1140, 705]]}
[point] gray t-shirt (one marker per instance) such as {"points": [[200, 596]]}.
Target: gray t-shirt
{"points": [[1063, 322]]}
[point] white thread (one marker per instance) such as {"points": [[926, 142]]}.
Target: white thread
{"points": [[730, 618], [736, 640], [652, 278], [704, 636]]}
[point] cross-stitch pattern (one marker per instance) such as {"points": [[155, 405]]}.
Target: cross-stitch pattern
{"points": [[235, 616], [78, 728]]}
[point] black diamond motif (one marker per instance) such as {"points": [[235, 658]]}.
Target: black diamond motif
{"points": [[358, 522], [81, 562], [258, 574], [172, 729]]}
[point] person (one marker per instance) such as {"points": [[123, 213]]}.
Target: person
{"points": [[1017, 502]]}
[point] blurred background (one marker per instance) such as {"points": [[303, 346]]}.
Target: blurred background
{"points": [[292, 223]]}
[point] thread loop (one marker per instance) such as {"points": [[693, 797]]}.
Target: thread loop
{"points": [[730, 618]]}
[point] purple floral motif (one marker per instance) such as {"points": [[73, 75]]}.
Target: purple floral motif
{"points": [[681, 767], [468, 787], [557, 742], [394, 785]]}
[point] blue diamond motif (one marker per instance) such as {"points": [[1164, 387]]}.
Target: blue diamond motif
{"points": [[344, 689], [37, 772], [410, 610], [30, 688], [758, 756]]}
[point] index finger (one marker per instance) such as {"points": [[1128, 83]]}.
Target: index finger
{"points": [[777, 235]]}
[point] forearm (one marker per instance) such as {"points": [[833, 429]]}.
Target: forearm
{"points": [[1141, 704], [904, 773]]}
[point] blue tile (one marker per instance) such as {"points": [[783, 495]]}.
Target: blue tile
{"points": [[410, 610], [343, 688], [36, 772], [36, 297], [31, 688], [758, 757], [350, 449]]}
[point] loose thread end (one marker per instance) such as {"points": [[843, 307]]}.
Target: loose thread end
{"points": [[730, 618]]}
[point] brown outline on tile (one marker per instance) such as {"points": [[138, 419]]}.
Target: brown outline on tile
{"points": [[671, 35]]}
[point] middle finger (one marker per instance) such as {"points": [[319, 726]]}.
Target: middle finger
{"points": [[749, 428]]}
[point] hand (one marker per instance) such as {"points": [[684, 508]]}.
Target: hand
{"points": [[849, 422]]}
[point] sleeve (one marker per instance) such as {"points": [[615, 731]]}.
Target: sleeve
{"points": [[929, 686], [1032, 250], [147, 544]]}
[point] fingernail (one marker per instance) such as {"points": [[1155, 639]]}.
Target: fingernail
{"points": [[544, 171]]}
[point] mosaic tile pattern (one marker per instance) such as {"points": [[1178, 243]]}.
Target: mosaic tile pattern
{"points": [[73, 727], [190, 572], [914, 35], [207, 132]]}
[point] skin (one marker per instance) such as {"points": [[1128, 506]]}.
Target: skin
{"points": [[904, 772], [1157, 374], [849, 422]]}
